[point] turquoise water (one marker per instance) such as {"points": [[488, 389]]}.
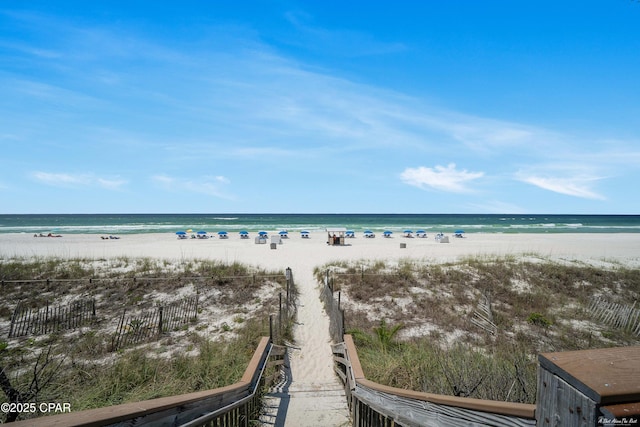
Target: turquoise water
{"points": [[431, 223]]}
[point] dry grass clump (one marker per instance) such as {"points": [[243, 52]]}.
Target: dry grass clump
{"points": [[474, 327]]}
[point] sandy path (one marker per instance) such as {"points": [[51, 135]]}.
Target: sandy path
{"points": [[316, 394]]}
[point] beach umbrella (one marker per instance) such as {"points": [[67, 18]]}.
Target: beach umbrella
{"points": [[180, 233], [283, 233], [244, 233], [262, 233], [408, 231], [189, 231], [368, 232], [420, 231], [459, 231], [222, 233], [387, 233], [202, 232]]}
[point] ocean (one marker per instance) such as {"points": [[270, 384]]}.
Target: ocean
{"points": [[212, 223]]}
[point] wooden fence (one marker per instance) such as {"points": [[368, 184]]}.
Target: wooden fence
{"points": [[617, 315], [333, 309], [39, 321], [152, 324], [281, 324]]}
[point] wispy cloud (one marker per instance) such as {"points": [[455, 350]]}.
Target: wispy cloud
{"points": [[337, 41], [440, 178], [69, 180], [576, 186], [208, 185]]}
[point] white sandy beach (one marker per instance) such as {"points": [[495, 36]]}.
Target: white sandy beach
{"points": [[311, 365], [307, 253]]}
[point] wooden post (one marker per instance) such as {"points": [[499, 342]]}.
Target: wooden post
{"points": [[271, 328], [160, 309], [577, 388], [280, 314]]}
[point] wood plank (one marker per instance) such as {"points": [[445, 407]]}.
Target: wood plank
{"points": [[623, 410], [606, 375]]}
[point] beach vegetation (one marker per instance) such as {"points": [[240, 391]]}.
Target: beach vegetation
{"points": [[89, 373], [474, 327]]}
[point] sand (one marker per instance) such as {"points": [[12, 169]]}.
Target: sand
{"points": [[311, 360]]}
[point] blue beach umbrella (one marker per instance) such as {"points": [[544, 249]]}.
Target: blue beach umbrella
{"points": [[387, 233], [459, 231], [202, 232], [180, 233], [408, 231], [244, 232], [283, 233], [420, 231], [262, 233], [222, 233]]}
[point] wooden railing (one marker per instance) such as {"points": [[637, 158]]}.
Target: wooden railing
{"points": [[234, 405], [373, 404]]}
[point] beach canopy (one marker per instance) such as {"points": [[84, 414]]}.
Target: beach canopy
{"points": [[387, 232], [459, 231], [408, 231], [202, 232], [222, 233], [283, 232], [262, 233], [421, 231], [368, 232], [180, 233], [244, 232], [304, 232]]}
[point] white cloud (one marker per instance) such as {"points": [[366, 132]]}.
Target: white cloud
{"points": [[208, 185], [440, 178], [70, 180], [578, 186]]}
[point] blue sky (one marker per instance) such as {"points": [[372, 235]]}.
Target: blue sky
{"points": [[320, 106]]}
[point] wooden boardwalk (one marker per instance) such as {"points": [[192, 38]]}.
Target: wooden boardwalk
{"points": [[311, 394]]}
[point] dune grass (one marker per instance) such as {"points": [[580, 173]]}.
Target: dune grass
{"points": [[77, 366], [412, 321]]}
